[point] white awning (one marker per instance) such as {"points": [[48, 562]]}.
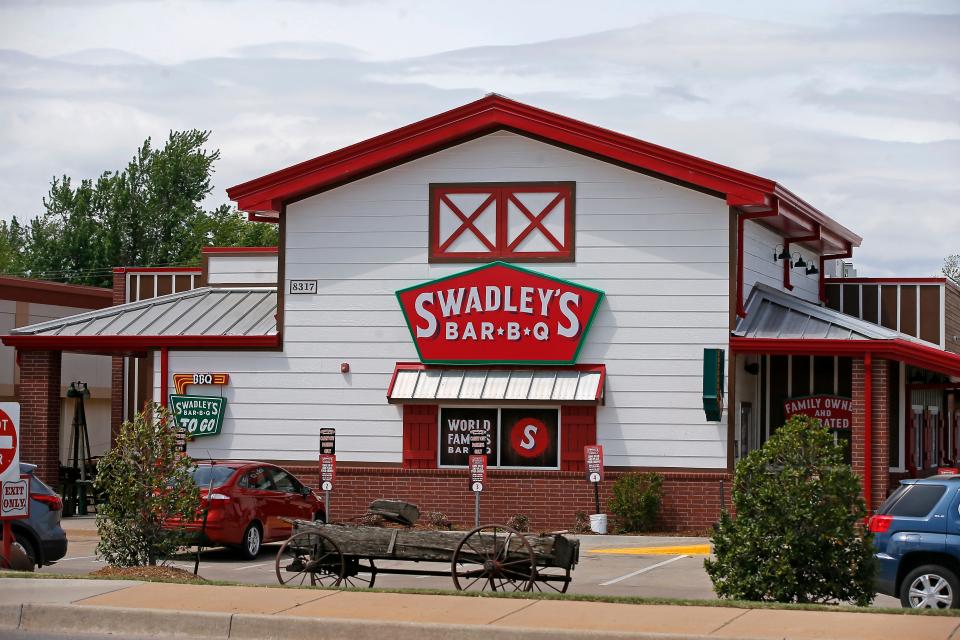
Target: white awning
{"points": [[578, 384]]}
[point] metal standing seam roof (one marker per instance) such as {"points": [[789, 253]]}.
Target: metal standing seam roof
{"points": [[418, 383], [774, 314], [207, 311]]}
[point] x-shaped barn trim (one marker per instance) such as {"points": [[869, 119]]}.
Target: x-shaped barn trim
{"points": [[467, 222], [536, 222]]}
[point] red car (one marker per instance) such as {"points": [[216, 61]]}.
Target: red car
{"points": [[246, 504]]}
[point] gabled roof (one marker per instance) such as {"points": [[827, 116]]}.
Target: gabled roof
{"points": [[780, 323], [264, 197], [200, 318]]}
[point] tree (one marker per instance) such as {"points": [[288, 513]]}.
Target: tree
{"points": [[951, 267], [797, 534], [145, 482], [148, 214], [13, 237]]}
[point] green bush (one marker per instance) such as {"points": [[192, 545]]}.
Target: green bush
{"points": [[145, 481], [796, 536], [636, 500]]}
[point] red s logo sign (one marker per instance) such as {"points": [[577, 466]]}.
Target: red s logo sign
{"points": [[529, 437]]}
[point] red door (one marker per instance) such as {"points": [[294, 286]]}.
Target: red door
{"points": [[287, 501]]}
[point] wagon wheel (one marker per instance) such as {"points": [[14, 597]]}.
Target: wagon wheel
{"points": [[310, 555], [353, 574], [493, 558], [552, 579]]}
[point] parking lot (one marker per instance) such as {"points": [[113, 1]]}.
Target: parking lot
{"points": [[647, 566]]}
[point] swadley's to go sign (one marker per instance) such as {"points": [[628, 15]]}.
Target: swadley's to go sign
{"points": [[199, 415], [499, 313]]}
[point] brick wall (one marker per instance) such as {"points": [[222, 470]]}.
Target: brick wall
{"points": [[39, 395], [116, 365], [880, 428], [550, 499]]}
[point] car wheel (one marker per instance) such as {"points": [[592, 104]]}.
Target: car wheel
{"points": [[320, 516], [24, 556], [252, 539], [930, 587]]}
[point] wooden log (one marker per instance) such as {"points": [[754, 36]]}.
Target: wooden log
{"points": [[438, 546], [396, 511]]}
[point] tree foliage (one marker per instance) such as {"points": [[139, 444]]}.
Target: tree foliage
{"points": [[144, 482], [796, 536], [951, 267], [149, 213]]}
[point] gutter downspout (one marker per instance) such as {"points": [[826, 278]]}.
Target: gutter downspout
{"points": [[823, 259], [868, 430], [164, 372]]}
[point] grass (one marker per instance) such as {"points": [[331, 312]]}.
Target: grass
{"points": [[577, 597]]}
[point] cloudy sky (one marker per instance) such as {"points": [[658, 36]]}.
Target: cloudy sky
{"points": [[854, 105]]}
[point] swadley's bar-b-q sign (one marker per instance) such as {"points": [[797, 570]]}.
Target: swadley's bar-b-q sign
{"points": [[199, 415]]}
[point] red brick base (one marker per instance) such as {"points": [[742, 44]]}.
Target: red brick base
{"points": [[550, 499], [39, 396]]}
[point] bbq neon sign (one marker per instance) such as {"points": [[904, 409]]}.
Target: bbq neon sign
{"points": [[499, 313]]}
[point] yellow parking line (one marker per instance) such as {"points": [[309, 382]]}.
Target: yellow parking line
{"points": [[690, 550]]}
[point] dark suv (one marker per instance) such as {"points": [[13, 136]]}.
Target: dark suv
{"points": [[40, 536], [917, 541]]}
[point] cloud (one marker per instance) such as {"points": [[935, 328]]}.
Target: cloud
{"points": [[858, 116]]}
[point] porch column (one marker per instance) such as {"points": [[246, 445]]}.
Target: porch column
{"points": [[39, 395], [880, 428]]}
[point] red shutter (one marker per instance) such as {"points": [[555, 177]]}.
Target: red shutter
{"points": [[578, 428], [419, 436]]}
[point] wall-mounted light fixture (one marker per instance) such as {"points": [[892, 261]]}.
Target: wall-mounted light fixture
{"points": [[812, 269], [780, 253]]}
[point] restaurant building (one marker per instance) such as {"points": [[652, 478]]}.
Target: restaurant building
{"points": [[553, 283]]}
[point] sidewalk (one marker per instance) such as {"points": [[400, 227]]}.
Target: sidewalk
{"points": [[80, 527], [101, 606]]}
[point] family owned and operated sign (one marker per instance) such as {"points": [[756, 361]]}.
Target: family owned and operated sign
{"points": [[499, 313], [835, 412]]}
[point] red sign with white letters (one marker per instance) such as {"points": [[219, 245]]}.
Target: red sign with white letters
{"points": [[499, 314]]}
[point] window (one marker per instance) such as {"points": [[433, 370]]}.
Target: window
{"points": [[284, 482], [257, 479], [516, 221], [915, 501], [517, 437]]}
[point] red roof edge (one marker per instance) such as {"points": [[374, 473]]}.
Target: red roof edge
{"points": [[135, 343], [898, 349], [58, 293], [494, 112]]}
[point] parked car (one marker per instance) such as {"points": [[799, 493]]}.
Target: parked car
{"points": [[40, 536], [917, 542], [245, 501]]}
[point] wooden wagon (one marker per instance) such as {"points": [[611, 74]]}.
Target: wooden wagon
{"points": [[488, 558]]}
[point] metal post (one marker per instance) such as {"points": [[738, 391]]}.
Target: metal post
{"points": [[596, 496], [476, 509], [326, 505]]}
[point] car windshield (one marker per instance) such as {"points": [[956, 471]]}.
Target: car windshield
{"points": [[207, 475]]}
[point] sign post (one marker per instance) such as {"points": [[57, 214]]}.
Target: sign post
{"points": [[14, 491], [328, 465], [477, 464], [593, 457]]}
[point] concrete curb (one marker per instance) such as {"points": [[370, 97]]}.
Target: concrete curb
{"points": [[70, 618]]}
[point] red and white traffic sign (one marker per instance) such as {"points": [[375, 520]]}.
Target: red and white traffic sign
{"points": [[9, 441], [328, 471], [593, 457], [478, 472]]}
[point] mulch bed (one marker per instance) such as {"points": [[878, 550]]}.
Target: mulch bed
{"points": [[147, 573]]}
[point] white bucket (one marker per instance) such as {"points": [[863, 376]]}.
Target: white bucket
{"points": [[598, 523]]}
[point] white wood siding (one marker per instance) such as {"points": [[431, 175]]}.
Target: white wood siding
{"points": [[253, 268], [758, 264], [659, 251]]}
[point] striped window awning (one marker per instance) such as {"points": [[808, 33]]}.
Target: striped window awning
{"points": [[418, 383]]}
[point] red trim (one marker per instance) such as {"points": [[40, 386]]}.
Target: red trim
{"points": [[787, 264], [230, 250], [157, 269], [493, 113], [741, 218], [46, 292], [897, 349], [164, 372], [134, 343], [417, 366], [868, 429], [823, 259], [888, 280]]}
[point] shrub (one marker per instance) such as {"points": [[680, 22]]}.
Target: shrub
{"points": [[440, 520], [582, 524], [519, 522], [144, 481], [636, 500], [796, 536]]}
